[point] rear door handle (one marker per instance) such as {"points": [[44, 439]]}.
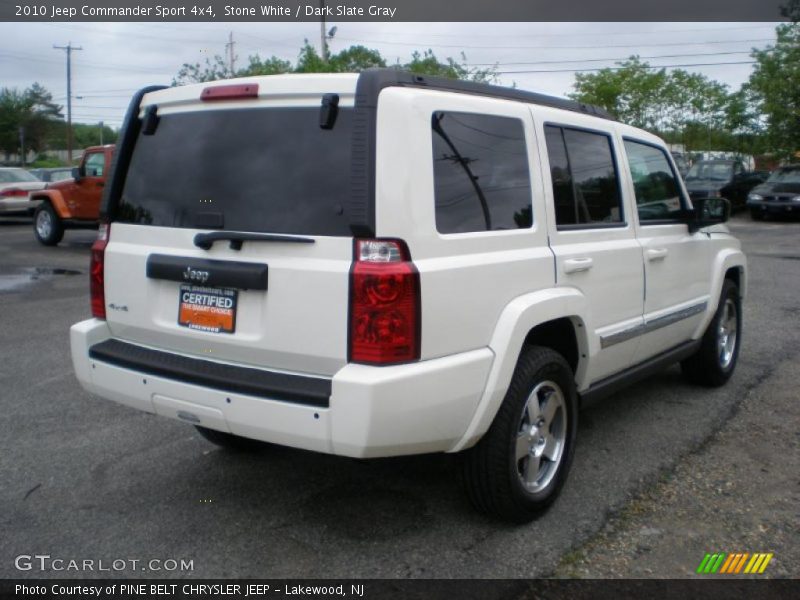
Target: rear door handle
{"points": [[575, 265], [657, 254]]}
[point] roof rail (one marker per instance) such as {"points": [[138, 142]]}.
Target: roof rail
{"points": [[372, 81]]}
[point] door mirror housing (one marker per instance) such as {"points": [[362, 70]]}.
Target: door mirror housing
{"points": [[708, 211], [78, 173]]}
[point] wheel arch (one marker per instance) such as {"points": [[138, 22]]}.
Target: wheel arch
{"points": [[554, 318], [730, 264], [56, 200]]}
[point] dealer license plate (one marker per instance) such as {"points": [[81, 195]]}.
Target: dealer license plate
{"points": [[207, 309]]}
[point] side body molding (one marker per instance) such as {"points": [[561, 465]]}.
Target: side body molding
{"points": [[520, 316]]}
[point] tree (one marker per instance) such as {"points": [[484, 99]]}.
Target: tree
{"points": [[31, 110], [775, 85], [687, 108], [269, 66], [350, 60], [427, 64], [633, 92], [212, 70]]}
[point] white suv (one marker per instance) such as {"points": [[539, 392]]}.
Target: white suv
{"points": [[386, 264]]}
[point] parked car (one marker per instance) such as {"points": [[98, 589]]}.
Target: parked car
{"points": [[52, 174], [16, 186], [73, 203], [722, 178], [399, 264], [780, 194]]}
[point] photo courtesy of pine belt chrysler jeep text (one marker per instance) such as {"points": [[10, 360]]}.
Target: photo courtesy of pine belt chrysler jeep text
{"points": [[387, 264]]}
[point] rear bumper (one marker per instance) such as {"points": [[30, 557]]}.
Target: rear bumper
{"points": [[370, 411]]}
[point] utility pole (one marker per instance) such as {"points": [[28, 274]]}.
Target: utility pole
{"points": [[231, 55], [22, 144], [101, 133], [322, 40], [68, 49]]}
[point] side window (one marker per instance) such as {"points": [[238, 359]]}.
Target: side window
{"points": [[658, 195], [94, 164], [585, 181], [480, 173]]}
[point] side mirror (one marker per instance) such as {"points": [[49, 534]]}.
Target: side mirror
{"points": [[708, 211], [78, 173]]}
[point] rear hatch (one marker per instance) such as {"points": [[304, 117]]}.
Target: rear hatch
{"points": [[229, 240]]}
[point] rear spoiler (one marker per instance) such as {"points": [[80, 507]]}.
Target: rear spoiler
{"points": [[122, 156]]}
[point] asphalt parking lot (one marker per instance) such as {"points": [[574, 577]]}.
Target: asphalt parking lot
{"points": [[83, 478]]}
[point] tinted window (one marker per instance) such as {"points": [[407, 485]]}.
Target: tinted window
{"points": [[264, 170], [787, 175], [94, 164], [563, 193], [657, 192], [710, 171], [585, 181], [480, 172]]}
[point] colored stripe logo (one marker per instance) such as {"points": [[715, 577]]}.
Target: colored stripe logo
{"points": [[734, 563]]}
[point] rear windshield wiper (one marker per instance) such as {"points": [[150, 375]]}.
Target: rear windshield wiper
{"points": [[237, 238]]}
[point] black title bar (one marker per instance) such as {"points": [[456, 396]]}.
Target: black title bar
{"points": [[390, 11]]}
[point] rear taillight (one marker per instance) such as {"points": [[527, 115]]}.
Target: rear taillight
{"points": [[96, 272], [384, 304], [13, 193]]}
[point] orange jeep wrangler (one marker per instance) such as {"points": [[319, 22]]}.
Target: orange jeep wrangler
{"points": [[73, 203]]}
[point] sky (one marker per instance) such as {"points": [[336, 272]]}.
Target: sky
{"points": [[118, 58]]}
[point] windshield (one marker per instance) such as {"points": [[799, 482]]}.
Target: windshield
{"points": [[791, 175], [265, 170], [15, 176], [711, 171]]}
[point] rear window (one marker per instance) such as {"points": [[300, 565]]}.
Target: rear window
{"points": [[264, 170], [15, 176]]}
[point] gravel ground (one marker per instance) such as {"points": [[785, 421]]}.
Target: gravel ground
{"points": [[740, 492]]}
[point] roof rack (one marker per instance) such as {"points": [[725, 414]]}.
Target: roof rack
{"points": [[372, 81]]}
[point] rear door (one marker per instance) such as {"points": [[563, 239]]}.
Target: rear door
{"points": [[262, 169], [592, 235]]}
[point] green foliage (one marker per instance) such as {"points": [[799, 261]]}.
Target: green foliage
{"points": [[350, 60], [211, 70], [46, 162], [427, 64], [33, 110], [775, 87], [268, 66], [686, 108]]}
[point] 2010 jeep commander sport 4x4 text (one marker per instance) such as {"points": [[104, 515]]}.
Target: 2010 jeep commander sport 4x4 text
{"points": [[385, 264]]}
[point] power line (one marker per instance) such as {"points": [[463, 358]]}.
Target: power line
{"points": [[551, 47], [82, 63], [581, 34], [581, 60], [744, 62]]}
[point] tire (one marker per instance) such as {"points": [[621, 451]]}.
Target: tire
{"points": [[714, 362], [499, 472], [756, 214], [47, 226], [230, 441]]}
